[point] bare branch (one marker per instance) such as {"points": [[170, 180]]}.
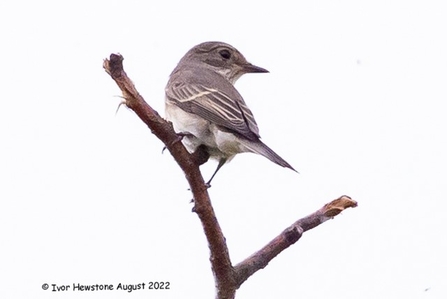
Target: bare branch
{"points": [[290, 236]]}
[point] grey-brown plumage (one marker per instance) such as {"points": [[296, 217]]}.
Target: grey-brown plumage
{"points": [[204, 106]]}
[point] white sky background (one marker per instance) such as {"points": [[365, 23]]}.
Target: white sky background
{"points": [[355, 101]]}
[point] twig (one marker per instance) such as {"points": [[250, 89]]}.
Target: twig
{"points": [[290, 236]]}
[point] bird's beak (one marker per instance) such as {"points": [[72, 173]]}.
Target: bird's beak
{"points": [[250, 68]]}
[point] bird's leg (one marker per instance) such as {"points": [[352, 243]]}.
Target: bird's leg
{"points": [[180, 136], [221, 163]]}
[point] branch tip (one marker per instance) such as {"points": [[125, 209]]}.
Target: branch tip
{"points": [[114, 65], [336, 206]]}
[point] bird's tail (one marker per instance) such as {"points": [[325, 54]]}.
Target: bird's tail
{"points": [[258, 147]]}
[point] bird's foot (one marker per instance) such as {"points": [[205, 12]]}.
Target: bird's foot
{"points": [[180, 137]]}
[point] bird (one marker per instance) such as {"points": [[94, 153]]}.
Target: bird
{"points": [[206, 109]]}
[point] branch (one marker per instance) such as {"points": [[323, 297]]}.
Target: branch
{"points": [[290, 236], [228, 278], [219, 256]]}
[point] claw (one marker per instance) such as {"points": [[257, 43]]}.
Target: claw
{"points": [[180, 136]]}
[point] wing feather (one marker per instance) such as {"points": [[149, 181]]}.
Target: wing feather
{"points": [[215, 106]]}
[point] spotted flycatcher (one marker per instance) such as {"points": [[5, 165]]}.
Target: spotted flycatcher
{"points": [[207, 110]]}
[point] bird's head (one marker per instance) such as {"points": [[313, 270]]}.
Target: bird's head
{"points": [[222, 58]]}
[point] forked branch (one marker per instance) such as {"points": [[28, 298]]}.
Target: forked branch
{"points": [[228, 278]]}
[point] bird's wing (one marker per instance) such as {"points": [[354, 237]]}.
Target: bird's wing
{"points": [[215, 106]]}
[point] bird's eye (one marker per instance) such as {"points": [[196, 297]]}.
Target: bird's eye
{"points": [[225, 54]]}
